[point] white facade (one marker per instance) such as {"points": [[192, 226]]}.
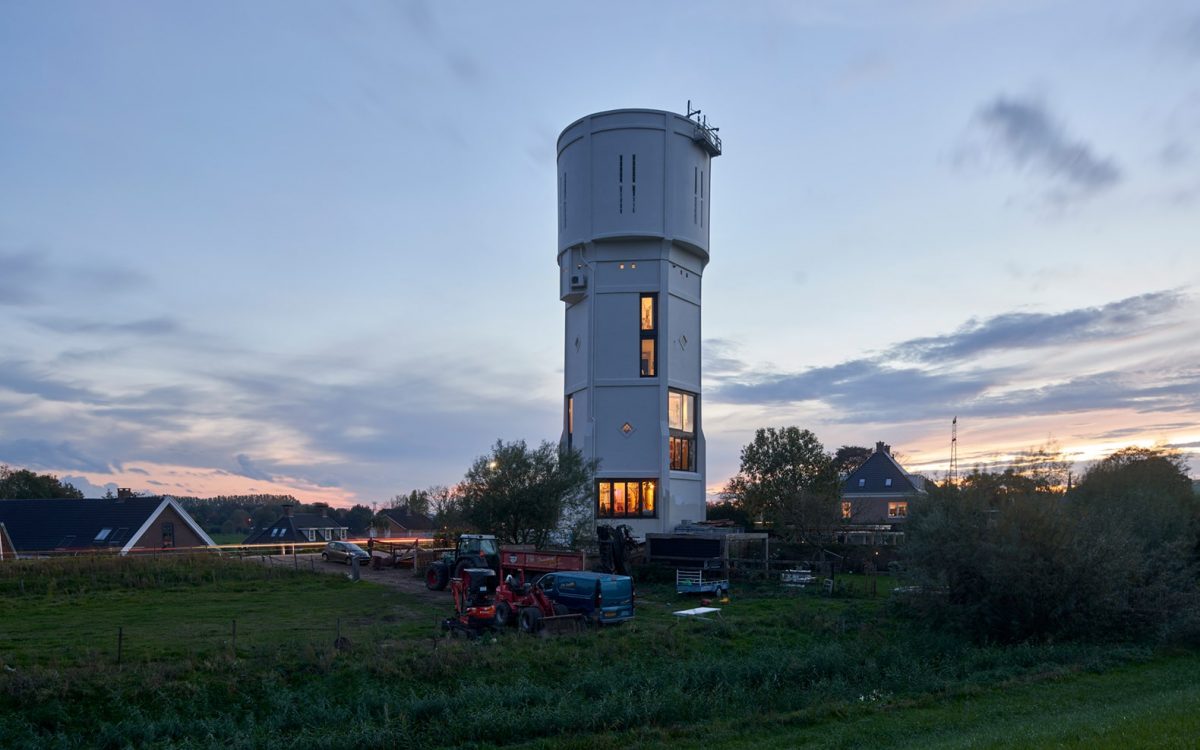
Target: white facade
{"points": [[633, 208]]}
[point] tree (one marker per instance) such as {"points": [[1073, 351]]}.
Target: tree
{"points": [[850, 457], [416, 502], [787, 478], [358, 519], [22, 484], [1008, 557], [523, 495]]}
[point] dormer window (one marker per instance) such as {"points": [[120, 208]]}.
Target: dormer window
{"points": [[862, 483], [887, 482]]}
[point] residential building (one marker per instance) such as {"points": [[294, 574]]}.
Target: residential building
{"points": [[298, 528], [122, 524], [401, 523], [634, 199], [876, 496]]}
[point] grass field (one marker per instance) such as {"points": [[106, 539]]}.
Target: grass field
{"points": [[782, 670]]}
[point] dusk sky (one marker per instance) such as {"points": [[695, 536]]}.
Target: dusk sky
{"points": [[309, 247]]}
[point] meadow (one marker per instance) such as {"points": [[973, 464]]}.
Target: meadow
{"points": [[782, 668]]}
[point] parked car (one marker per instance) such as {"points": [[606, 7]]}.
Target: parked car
{"points": [[603, 598], [345, 552]]}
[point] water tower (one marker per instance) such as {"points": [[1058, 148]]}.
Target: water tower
{"points": [[634, 190]]}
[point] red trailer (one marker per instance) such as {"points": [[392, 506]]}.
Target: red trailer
{"points": [[532, 561]]}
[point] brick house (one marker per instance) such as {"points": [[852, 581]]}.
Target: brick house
{"points": [[298, 528], [876, 496], [122, 524], [400, 523]]}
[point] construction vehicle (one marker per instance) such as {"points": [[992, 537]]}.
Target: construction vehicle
{"points": [[473, 551], [474, 603], [525, 604]]}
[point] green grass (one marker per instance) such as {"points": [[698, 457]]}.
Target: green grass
{"points": [[782, 669], [237, 538]]}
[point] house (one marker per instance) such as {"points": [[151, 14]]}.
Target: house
{"points": [[7, 551], [298, 528], [876, 497], [122, 524], [399, 522]]}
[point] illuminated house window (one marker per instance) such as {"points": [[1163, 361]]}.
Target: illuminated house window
{"points": [[681, 415], [846, 510], [570, 421], [897, 510], [649, 332], [626, 498]]}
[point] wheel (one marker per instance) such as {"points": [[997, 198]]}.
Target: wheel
{"points": [[560, 610], [349, 559], [325, 556], [436, 577], [504, 614], [531, 620], [463, 564]]}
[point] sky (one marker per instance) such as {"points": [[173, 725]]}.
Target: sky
{"points": [[309, 247]]}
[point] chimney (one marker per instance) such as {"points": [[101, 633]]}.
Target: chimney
{"points": [[287, 510], [882, 447], [124, 493]]}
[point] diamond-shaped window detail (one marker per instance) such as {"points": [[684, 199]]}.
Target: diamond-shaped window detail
{"points": [[683, 341], [627, 428]]}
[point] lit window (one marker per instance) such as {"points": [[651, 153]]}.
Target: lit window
{"points": [[681, 418], [626, 498], [649, 332], [570, 420], [846, 510], [898, 510]]}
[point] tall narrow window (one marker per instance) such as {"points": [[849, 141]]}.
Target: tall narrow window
{"points": [[649, 335], [564, 201], [681, 418], [168, 535], [570, 420], [633, 183], [695, 193], [626, 498], [701, 197], [621, 183]]}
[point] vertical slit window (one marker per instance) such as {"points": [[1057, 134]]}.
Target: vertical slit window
{"points": [[621, 183], [633, 184], [564, 201], [701, 197], [695, 192], [570, 421], [649, 336]]}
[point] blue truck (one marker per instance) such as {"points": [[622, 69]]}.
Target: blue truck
{"points": [[603, 598]]}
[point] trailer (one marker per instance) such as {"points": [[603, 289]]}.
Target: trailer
{"points": [[533, 562], [693, 582]]}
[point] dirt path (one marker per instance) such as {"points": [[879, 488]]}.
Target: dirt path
{"points": [[397, 578]]}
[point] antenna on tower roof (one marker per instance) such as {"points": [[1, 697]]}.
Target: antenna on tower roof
{"points": [[954, 451]]}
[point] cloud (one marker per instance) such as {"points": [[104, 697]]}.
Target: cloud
{"points": [[21, 377], [1124, 432], [87, 488], [249, 470], [22, 276], [943, 377], [159, 326], [1020, 330], [1023, 133], [45, 454]]}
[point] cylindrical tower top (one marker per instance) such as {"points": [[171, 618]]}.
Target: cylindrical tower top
{"points": [[635, 173]]}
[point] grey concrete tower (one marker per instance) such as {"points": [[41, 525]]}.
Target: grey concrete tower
{"points": [[633, 205]]}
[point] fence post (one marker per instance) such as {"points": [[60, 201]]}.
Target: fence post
{"points": [[234, 637], [120, 642], [295, 560]]}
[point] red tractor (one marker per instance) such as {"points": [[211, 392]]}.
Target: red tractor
{"points": [[474, 607], [526, 605]]}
